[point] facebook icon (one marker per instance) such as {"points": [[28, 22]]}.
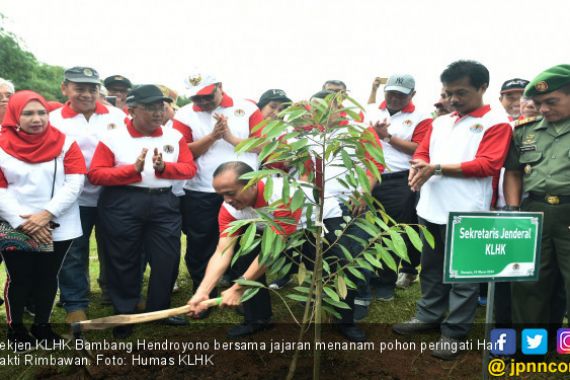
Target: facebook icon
{"points": [[503, 342]]}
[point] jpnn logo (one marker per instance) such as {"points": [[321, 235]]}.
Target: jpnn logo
{"points": [[503, 341], [534, 341]]}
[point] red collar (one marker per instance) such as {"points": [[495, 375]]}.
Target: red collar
{"points": [[226, 102], [67, 112], [479, 112], [409, 108], [136, 134]]}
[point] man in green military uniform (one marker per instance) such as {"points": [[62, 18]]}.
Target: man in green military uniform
{"points": [[539, 164]]}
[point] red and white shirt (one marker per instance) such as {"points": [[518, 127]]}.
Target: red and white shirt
{"points": [[114, 160], [194, 124], [408, 124], [87, 133], [25, 188], [229, 214], [480, 142]]}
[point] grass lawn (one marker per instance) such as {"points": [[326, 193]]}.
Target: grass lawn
{"points": [[401, 309]]}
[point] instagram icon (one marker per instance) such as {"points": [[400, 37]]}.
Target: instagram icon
{"points": [[563, 341]]}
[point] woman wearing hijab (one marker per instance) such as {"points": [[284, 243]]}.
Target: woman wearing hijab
{"points": [[41, 175]]}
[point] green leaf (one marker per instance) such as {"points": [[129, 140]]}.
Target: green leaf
{"points": [[341, 286], [414, 237], [399, 243], [251, 283], [297, 297], [267, 150], [302, 273], [363, 179], [331, 293], [285, 194], [389, 261], [345, 252], [428, 236], [372, 260], [356, 273], [339, 304], [248, 294], [298, 200], [268, 189], [302, 289], [332, 311]]}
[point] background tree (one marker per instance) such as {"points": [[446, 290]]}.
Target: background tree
{"points": [[23, 69]]}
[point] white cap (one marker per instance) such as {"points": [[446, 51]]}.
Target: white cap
{"points": [[200, 83], [403, 83]]}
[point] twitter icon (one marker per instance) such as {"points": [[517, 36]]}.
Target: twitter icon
{"points": [[534, 341]]}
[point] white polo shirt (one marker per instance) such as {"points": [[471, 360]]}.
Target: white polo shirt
{"points": [[194, 124], [87, 133], [479, 141], [25, 188], [408, 124], [114, 159]]}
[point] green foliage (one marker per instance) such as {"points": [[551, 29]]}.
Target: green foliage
{"points": [[23, 69]]}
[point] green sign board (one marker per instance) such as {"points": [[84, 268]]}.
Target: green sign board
{"points": [[492, 246]]}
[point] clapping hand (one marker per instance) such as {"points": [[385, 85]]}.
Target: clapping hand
{"points": [[157, 162], [139, 164]]}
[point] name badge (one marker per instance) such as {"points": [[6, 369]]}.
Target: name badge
{"points": [[528, 148]]}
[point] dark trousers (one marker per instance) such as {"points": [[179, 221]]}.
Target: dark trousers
{"points": [[136, 225], [32, 275], [200, 224], [257, 307], [399, 201], [335, 258], [543, 303], [452, 305]]}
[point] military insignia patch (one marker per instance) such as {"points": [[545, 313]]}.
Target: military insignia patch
{"points": [[477, 128], [529, 139], [111, 126], [527, 169], [541, 86], [195, 80], [408, 123], [87, 72], [168, 148], [239, 112]]}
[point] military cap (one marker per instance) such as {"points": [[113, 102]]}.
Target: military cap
{"points": [[79, 74], [117, 79], [145, 94], [549, 80], [274, 95]]}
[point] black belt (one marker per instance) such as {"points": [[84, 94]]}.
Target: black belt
{"points": [[147, 190], [401, 174], [549, 198]]}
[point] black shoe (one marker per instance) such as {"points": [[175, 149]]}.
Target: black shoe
{"points": [[414, 326], [246, 329], [175, 321], [122, 332], [45, 335], [20, 339], [352, 332], [280, 283]]}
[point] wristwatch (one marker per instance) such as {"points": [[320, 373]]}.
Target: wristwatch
{"points": [[387, 138], [438, 170]]}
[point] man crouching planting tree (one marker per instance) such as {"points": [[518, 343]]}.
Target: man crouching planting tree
{"points": [[293, 220]]}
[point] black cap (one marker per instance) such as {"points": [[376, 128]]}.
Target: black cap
{"points": [[117, 79], [516, 84], [273, 95], [323, 94], [145, 94], [79, 74]]}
